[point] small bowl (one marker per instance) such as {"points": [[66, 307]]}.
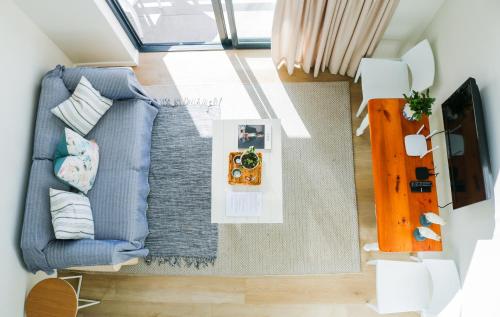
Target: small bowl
{"points": [[237, 159], [236, 172]]}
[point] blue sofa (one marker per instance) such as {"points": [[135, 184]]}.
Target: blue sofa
{"points": [[118, 197]]}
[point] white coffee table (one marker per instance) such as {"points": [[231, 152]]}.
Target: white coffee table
{"points": [[225, 140]]}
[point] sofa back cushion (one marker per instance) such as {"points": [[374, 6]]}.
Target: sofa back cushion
{"points": [[48, 128], [114, 83]]}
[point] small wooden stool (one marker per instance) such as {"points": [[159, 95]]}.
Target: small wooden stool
{"points": [[55, 297]]}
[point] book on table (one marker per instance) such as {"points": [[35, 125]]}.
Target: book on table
{"points": [[256, 135]]}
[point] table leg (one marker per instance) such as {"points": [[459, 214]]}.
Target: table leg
{"points": [[86, 302], [369, 247], [362, 127], [79, 277]]}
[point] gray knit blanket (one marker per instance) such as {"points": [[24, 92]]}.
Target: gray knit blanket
{"points": [[180, 183]]}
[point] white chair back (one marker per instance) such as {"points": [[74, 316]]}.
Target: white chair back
{"points": [[445, 285], [420, 60], [402, 286]]}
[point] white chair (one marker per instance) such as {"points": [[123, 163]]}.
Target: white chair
{"points": [[382, 79], [427, 287], [390, 78]]}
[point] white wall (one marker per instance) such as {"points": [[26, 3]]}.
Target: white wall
{"points": [[407, 24], [26, 55], [464, 37], [86, 30]]}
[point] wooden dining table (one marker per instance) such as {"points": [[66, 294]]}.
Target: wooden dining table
{"points": [[398, 210]]}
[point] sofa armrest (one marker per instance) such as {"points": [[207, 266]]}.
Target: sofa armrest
{"points": [[37, 230], [69, 253], [114, 82]]}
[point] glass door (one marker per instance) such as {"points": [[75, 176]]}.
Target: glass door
{"points": [[250, 22], [163, 25]]}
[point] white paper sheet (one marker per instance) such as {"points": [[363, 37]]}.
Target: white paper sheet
{"points": [[243, 204]]}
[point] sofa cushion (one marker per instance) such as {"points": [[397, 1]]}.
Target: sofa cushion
{"points": [[124, 136], [119, 203], [121, 187]]}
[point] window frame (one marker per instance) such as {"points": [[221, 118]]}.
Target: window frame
{"points": [[226, 42]]}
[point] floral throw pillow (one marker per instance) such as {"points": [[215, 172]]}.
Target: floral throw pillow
{"points": [[76, 161]]}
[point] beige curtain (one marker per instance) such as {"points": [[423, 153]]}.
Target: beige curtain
{"points": [[333, 34]]}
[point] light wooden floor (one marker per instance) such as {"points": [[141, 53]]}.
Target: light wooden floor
{"points": [[337, 295]]}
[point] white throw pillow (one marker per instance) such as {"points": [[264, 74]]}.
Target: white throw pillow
{"points": [[83, 109], [71, 215]]}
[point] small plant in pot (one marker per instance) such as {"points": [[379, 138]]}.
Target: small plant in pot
{"points": [[250, 159], [417, 105]]}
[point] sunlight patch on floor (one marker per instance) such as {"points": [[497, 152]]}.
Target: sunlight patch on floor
{"points": [[249, 87], [278, 100], [211, 75]]}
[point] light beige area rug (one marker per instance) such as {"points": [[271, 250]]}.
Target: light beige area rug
{"points": [[320, 230]]}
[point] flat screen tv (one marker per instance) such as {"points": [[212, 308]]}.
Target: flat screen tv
{"points": [[468, 157]]}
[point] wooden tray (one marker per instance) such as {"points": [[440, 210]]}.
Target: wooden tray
{"points": [[248, 177]]}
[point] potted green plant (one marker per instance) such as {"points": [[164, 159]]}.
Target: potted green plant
{"points": [[250, 159], [417, 105]]}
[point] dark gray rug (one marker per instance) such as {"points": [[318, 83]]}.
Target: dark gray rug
{"points": [[180, 174]]}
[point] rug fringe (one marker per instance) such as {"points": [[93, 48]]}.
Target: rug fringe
{"points": [[180, 261], [185, 101]]}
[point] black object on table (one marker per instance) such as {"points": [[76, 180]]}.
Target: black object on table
{"points": [[421, 186]]}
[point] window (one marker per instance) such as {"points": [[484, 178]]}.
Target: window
{"points": [[162, 25]]}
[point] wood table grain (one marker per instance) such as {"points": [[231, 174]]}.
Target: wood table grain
{"points": [[398, 209], [52, 297]]}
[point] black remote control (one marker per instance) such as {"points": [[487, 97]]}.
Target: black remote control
{"points": [[421, 186]]}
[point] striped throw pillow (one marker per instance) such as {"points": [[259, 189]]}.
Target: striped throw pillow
{"points": [[71, 215], [84, 108]]}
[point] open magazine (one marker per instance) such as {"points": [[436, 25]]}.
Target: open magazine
{"points": [[256, 135]]}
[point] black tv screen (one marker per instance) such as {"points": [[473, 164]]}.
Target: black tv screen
{"points": [[468, 157]]}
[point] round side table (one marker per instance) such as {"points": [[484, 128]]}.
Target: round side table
{"points": [[55, 297]]}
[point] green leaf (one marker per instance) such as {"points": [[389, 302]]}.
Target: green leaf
{"points": [[420, 103]]}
